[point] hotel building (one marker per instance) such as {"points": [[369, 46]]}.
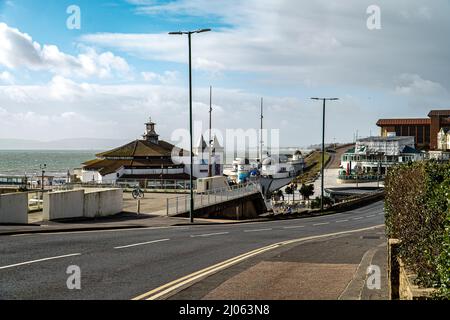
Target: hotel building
{"points": [[424, 130]]}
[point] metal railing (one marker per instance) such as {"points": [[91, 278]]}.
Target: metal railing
{"points": [[361, 177], [147, 185], [179, 205]]}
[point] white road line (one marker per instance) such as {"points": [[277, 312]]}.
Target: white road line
{"points": [[359, 218], [141, 244], [208, 234], [372, 215], [39, 260], [340, 221], [320, 224], [257, 230], [293, 227]]}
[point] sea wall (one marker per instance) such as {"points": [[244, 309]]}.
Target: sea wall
{"points": [[82, 204], [14, 208]]}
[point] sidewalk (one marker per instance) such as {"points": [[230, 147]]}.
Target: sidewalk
{"points": [[330, 269], [125, 220]]}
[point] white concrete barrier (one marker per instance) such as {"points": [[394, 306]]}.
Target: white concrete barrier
{"points": [[101, 203], [14, 208], [89, 203], [63, 205]]}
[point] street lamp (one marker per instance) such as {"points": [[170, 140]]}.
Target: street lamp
{"points": [[323, 145], [42, 167], [189, 34]]}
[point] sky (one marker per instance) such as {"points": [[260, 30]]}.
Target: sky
{"points": [[105, 79]]}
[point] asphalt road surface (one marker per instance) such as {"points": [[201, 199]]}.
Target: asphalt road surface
{"points": [[123, 264]]}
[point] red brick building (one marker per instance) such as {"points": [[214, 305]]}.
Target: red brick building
{"points": [[425, 130]]}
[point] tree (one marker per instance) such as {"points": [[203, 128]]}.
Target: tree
{"points": [[288, 190], [307, 191], [293, 188]]}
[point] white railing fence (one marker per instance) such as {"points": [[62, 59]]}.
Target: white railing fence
{"points": [[179, 205]]}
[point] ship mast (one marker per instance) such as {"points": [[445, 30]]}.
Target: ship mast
{"points": [[261, 133], [210, 135]]}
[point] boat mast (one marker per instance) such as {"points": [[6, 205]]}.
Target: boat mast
{"points": [[261, 134], [210, 134]]}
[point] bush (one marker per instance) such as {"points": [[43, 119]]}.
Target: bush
{"points": [[327, 202], [417, 213]]}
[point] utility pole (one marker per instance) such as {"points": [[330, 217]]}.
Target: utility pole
{"points": [[191, 152], [210, 134], [323, 146]]}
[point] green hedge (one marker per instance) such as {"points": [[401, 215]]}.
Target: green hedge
{"points": [[417, 212]]}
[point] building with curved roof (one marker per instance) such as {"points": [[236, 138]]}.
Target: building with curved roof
{"points": [[150, 159]]}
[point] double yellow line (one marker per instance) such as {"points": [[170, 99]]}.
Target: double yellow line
{"points": [[177, 285]]}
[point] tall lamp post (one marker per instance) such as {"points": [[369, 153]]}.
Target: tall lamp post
{"points": [[323, 146], [189, 34]]}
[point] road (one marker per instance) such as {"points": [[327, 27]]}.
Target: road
{"points": [[124, 264]]}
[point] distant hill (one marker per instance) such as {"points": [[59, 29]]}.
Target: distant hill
{"points": [[63, 144]]}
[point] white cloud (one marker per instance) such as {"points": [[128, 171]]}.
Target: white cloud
{"points": [[6, 77], [68, 109], [168, 77], [324, 42], [413, 84], [18, 50]]}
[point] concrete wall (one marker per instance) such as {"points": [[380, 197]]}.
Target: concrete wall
{"points": [[89, 203], [103, 203], [63, 205], [14, 208]]}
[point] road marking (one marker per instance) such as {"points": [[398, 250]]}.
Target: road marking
{"points": [[39, 260], [141, 244], [340, 221], [102, 231], [359, 218], [320, 224], [208, 234], [293, 227], [372, 215], [172, 287], [257, 230]]}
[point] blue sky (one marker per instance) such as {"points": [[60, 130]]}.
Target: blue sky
{"points": [[121, 67]]}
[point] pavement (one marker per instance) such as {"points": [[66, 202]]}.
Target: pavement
{"points": [[125, 220], [333, 268], [321, 255]]}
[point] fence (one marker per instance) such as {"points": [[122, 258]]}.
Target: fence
{"points": [[181, 205], [147, 185]]}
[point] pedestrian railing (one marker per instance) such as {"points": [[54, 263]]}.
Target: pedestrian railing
{"points": [[148, 185], [179, 205]]}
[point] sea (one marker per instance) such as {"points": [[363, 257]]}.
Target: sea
{"points": [[59, 162], [27, 162]]}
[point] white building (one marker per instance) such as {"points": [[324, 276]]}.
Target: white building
{"points": [[373, 156], [152, 159]]}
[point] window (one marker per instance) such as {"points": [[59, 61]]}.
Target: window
{"points": [[405, 131], [427, 134], [420, 134]]}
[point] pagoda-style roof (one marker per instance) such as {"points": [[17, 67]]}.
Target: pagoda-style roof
{"points": [[108, 166], [139, 149]]}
